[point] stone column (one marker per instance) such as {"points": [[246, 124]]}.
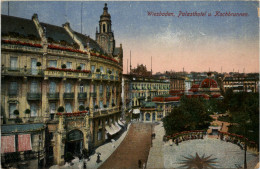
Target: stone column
{"points": [[45, 104], [76, 102]]}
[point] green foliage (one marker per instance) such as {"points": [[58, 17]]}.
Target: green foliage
{"points": [[61, 109], [63, 66], [98, 70], [81, 108], [16, 112], [113, 104], [244, 112], [27, 111], [87, 108], [18, 120], [105, 106], [38, 64], [79, 68], [96, 107], [190, 115]]}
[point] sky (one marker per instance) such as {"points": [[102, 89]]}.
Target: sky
{"points": [[175, 43]]}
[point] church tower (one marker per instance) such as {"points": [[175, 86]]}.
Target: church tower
{"points": [[105, 36]]}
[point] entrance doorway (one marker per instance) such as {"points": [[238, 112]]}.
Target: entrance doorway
{"points": [[74, 143]]}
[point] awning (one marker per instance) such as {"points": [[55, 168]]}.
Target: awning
{"points": [[7, 144], [130, 110], [136, 111], [20, 128], [110, 130], [116, 129], [120, 123], [117, 125], [24, 142]]}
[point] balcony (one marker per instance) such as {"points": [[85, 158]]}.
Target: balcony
{"points": [[82, 95], [53, 96], [13, 94], [93, 94], [104, 112], [21, 72], [68, 96], [105, 77], [34, 96], [66, 74], [111, 77]]}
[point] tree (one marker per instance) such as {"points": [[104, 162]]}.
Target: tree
{"points": [[81, 108], [192, 114]]}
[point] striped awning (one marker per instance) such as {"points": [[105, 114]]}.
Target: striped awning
{"points": [[115, 128], [120, 123], [136, 111], [118, 126], [21, 128], [110, 130], [24, 142], [8, 144]]}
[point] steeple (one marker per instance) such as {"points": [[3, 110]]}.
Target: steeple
{"points": [[105, 36]]}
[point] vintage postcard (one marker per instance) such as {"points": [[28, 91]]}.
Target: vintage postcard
{"points": [[129, 84]]}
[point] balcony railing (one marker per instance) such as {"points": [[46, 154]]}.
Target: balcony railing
{"points": [[20, 47], [53, 96], [82, 95], [21, 71], [105, 77], [104, 112], [13, 94], [34, 96], [93, 94], [67, 74], [68, 96]]}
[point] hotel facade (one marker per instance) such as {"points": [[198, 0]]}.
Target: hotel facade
{"points": [[61, 90]]}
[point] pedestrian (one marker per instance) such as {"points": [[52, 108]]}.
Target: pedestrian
{"points": [[84, 165], [143, 165], [139, 163]]}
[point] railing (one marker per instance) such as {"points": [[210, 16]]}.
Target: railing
{"points": [[68, 96], [53, 96], [93, 94], [67, 74], [63, 52], [105, 77], [82, 95], [21, 47], [34, 96], [104, 112], [21, 71]]}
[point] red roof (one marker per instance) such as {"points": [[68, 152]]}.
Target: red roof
{"points": [[166, 99], [207, 83]]}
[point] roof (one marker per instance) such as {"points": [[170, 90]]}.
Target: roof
{"points": [[86, 40], [57, 33], [24, 27], [149, 105], [207, 83], [17, 128]]}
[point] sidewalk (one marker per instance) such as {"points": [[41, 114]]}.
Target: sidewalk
{"points": [[156, 154], [106, 150]]}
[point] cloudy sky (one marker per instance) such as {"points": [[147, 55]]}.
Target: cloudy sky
{"points": [[190, 42]]}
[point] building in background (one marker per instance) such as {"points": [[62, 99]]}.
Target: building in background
{"points": [[65, 86]]}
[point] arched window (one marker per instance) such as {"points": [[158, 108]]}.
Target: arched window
{"points": [[104, 28], [108, 29], [67, 88], [81, 88]]}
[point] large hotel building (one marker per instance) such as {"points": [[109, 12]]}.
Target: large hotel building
{"points": [[61, 90]]}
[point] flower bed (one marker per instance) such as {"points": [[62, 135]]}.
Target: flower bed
{"points": [[79, 113], [68, 70], [22, 43], [66, 49], [184, 133], [104, 57]]}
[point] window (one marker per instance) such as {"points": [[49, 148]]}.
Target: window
{"points": [[12, 108], [82, 65], [99, 134], [81, 103], [101, 69], [33, 110], [104, 28], [92, 69], [52, 108], [34, 66], [81, 88], [34, 87], [69, 65], [67, 88], [13, 63], [52, 63], [13, 89], [101, 89], [101, 104], [52, 87], [68, 108]]}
